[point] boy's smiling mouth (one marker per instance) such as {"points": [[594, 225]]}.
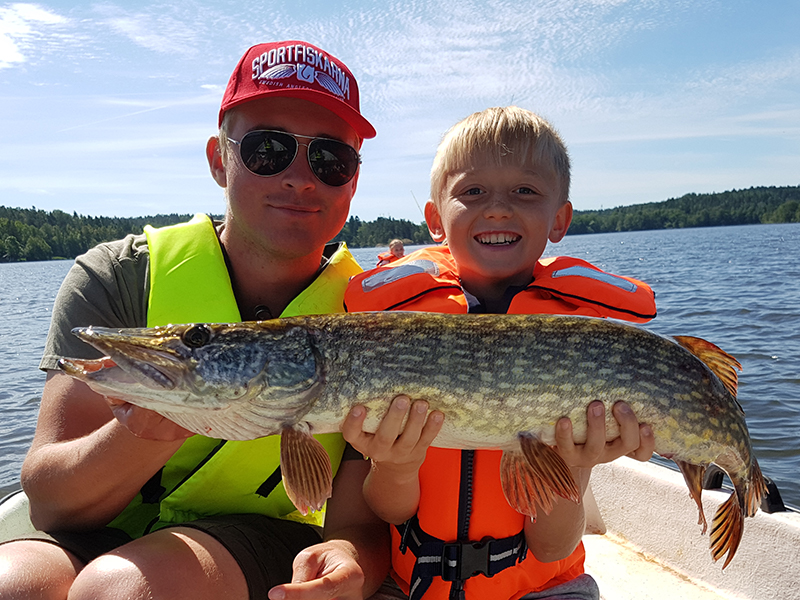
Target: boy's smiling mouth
{"points": [[497, 239]]}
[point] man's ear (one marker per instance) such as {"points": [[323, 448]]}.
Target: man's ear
{"points": [[215, 162], [561, 222], [434, 221]]}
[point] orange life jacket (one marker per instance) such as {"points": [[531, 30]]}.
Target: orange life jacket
{"points": [[561, 285], [461, 496], [384, 258]]}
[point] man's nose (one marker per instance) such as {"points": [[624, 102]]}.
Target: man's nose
{"points": [[299, 174]]}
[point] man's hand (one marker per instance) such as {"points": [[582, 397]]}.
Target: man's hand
{"points": [[146, 424], [326, 571]]}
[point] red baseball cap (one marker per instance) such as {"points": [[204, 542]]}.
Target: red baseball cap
{"points": [[296, 69]]}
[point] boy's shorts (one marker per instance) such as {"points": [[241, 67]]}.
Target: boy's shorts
{"points": [[582, 587], [263, 547]]}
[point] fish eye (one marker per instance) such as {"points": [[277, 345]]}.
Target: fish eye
{"points": [[196, 336]]}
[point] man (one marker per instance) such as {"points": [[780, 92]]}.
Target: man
{"points": [[192, 517]]}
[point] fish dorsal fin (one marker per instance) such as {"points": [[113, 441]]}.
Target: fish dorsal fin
{"points": [[306, 469], [722, 364]]}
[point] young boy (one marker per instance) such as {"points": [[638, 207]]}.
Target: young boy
{"points": [[499, 192]]}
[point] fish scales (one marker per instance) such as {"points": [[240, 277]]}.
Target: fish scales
{"points": [[502, 381], [551, 370]]}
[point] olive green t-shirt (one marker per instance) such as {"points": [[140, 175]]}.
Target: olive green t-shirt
{"points": [[107, 287]]}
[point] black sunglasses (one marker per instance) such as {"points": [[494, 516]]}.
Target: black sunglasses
{"points": [[267, 153]]}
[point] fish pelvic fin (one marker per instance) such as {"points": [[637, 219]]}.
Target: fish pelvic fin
{"points": [[726, 529], [521, 486], [722, 364], [550, 470], [693, 475], [306, 469]]}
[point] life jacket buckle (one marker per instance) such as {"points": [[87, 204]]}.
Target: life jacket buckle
{"points": [[463, 560]]}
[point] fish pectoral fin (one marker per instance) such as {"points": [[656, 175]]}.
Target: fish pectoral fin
{"points": [[550, 469], [720, 362], [726, 529], [693, 475], [306, 469]]}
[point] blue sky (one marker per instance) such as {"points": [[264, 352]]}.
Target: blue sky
{"points": [[106, 107]]}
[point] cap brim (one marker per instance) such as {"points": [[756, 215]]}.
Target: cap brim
{"points": [[352, 117]]}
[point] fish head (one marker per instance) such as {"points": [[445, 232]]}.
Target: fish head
{"points": [[183, 368]]}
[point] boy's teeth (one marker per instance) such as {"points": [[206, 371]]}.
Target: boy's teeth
{"points": [[497, 238]]}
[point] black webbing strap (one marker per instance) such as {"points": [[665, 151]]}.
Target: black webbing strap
{"points": [[266, 488], [152, 490], [456, 561]]}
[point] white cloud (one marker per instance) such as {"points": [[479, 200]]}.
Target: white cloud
{"points": [[174, 28], [19, 30], [128, 71]]}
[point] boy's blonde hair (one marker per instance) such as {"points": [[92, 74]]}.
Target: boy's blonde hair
{"points": [[501, 136]]}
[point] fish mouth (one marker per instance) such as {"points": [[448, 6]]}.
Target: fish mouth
{"points": [[83, 368], [497, 238], [131, 357], [106, 370]]}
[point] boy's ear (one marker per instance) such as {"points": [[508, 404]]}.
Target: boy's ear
{"points": [[561, 222], [434, 221], [215, 163]]}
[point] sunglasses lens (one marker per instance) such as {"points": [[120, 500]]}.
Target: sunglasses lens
{"points": [[334, 163], [268, 152]]}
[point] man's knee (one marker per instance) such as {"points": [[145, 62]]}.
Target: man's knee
{"points": [[36, 570], [111, 577], [169, 565]]}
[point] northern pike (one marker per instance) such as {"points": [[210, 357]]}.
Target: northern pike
{"points": [[502, 382]]}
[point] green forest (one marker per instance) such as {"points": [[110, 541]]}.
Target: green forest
{"points": [[737, 207], [31, 234]]}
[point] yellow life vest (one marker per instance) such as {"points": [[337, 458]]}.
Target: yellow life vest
{"points": [[189, 282]]}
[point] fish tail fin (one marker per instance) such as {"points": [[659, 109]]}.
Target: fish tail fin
{"points": [[755, 491], [720, 362], [549, 468], [753, 488], [522, 487], [693, 475], [726, 529], [306, 469]]}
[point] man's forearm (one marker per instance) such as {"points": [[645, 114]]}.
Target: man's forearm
{"points": [[87, 481]]}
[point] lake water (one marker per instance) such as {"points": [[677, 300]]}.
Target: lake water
{"points": [[738, 287]]}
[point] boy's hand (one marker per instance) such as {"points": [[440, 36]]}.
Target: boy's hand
{"points": [[635, 440], [391, 443]]}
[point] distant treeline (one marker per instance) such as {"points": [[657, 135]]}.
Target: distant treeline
{"points": [[372, 234], [737, 207], [31, 234]]}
